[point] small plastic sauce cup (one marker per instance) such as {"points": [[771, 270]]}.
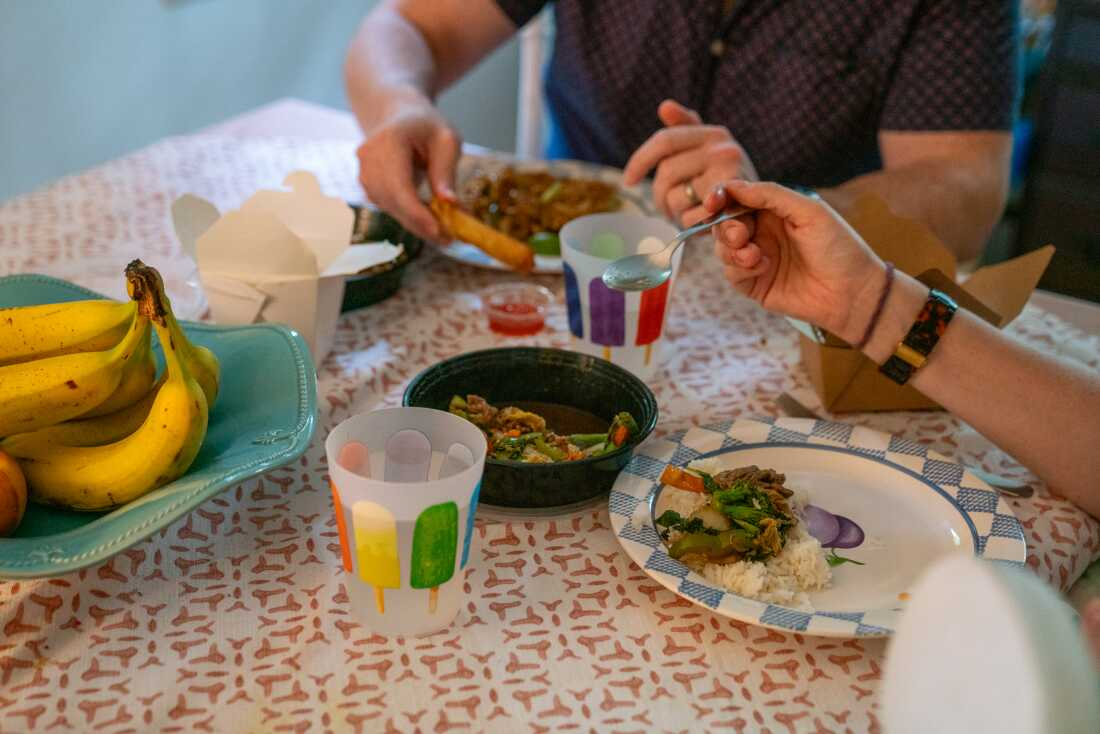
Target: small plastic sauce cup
{"points": [[516, 309]]}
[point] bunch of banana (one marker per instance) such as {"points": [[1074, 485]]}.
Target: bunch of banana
{"points": [[53, 329], [102, 462], [47, 391]]}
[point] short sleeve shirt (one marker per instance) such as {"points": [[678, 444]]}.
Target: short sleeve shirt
{"points": [[804, 86]]}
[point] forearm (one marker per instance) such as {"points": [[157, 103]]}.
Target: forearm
{"points": [[959, 200], [408, 51], [388, 63], [1042, 411]]}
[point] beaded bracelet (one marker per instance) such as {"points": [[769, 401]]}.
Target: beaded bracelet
{"points": [[878, 308]]}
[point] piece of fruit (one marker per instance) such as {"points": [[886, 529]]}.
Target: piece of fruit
{"points": [[47, 391], [13, 495], [95, 431], [158, 452], [137, 380], [53, 329], [201, 362]]}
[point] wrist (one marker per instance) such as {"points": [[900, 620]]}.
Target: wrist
{"points": [[868, 287], [905, 302], [396, 102]]}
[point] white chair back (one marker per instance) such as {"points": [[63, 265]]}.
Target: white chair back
{"points": [[534, 40]]}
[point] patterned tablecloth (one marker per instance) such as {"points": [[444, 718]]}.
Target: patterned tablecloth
{"points": [[236, 618]]}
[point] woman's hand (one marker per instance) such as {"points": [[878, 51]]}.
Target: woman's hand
{"points": [[411, 140], [687, 152], [797, 257]]}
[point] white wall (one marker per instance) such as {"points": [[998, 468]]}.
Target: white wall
{"points": [[86, 81]]}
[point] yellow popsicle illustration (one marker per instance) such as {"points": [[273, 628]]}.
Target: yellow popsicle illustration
{"points": [[435, 544], [376, 548]]}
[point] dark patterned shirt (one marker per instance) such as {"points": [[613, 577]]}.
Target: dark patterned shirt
{"points": [[803, 85]]}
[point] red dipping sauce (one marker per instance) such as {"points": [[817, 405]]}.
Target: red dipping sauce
{"points": [[516, 309]]}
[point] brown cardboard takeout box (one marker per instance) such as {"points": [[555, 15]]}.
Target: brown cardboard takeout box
{"points": [[845, 380]]}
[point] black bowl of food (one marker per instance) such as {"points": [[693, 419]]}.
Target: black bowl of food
{"points": [[382, 281], [560, 425]]}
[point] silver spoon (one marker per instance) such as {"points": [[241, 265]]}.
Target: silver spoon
{"points": [[642, 272]]}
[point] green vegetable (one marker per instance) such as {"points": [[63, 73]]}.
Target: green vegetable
{"points": [[713, 546], [547, 450], [672, 520], [545, 243], [551, 192], [584, 440], [511, 447], [835, 560]]}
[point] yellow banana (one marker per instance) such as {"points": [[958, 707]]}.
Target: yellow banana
{"points": [[158, 452], [96, 431], [47, 391], [49, 330], [200, 361], [137, 380]]}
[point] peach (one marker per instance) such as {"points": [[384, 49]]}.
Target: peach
{"points": [[13, 494]]}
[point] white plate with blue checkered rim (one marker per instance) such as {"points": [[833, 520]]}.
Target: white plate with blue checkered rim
{"points": [[913, 504]]}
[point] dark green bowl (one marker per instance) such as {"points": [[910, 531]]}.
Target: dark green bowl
{"points": [[380, 282], [549, 376]]}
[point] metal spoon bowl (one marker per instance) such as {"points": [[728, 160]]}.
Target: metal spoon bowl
{"points": [[642, 272]]}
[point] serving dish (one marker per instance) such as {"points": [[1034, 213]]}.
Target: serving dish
{"points": [[634, 199], [263, 419], [521, 374], [914, 504], [382, 281]]}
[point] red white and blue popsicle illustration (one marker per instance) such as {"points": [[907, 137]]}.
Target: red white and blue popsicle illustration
{"points": [[651, 317]]}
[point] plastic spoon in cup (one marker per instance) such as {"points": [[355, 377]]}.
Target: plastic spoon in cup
{"points": [[642, 272]]}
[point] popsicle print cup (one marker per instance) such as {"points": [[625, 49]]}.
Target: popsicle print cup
{"points": [[624, 328], [405, 486]]}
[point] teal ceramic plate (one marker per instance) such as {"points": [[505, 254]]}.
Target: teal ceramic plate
{"points": [[263, 419]]}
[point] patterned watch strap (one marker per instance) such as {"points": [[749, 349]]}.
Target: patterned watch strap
{"points": [[926, 331]]}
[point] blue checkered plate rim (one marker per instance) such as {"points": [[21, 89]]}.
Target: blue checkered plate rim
{"points": [[913, 503]]}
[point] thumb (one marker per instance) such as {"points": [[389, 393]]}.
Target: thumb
{"points": [[672, 113], [790, 206], [443, 152]]}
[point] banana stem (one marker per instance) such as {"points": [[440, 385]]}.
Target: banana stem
{"points": [[146, 287]]}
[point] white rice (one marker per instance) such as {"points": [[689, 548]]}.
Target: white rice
{"points": [[784, 579]]}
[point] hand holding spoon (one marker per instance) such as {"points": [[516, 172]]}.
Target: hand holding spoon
{"points": [[642, 272]]}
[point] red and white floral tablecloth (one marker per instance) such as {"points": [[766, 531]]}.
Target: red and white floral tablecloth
{"points": [[236, 618]]}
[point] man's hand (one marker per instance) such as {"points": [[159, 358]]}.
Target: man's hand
{"points": [[687, 152], [412, 140]]}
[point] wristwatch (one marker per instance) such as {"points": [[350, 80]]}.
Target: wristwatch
{"points": [[912, 352]]}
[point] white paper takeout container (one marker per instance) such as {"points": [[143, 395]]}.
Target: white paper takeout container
{"points": [[282, 257]]}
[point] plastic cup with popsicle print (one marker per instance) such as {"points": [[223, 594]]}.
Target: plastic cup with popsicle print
{"points": [[625, 328], [405, 486]]}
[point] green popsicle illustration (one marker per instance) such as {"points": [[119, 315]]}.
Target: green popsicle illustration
{"points": [[376, 548], [435, 544]]}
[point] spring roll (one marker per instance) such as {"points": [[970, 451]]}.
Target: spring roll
{"points": [[467, 228]]}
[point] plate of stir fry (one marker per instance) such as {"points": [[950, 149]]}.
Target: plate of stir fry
{"points": [[794, 524], [530, 201]]}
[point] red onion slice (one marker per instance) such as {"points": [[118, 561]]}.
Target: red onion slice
{"points": [[849, 536], [821, 524]]}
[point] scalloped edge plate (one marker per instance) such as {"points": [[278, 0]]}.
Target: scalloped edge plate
{"points": [[109, 533]]}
